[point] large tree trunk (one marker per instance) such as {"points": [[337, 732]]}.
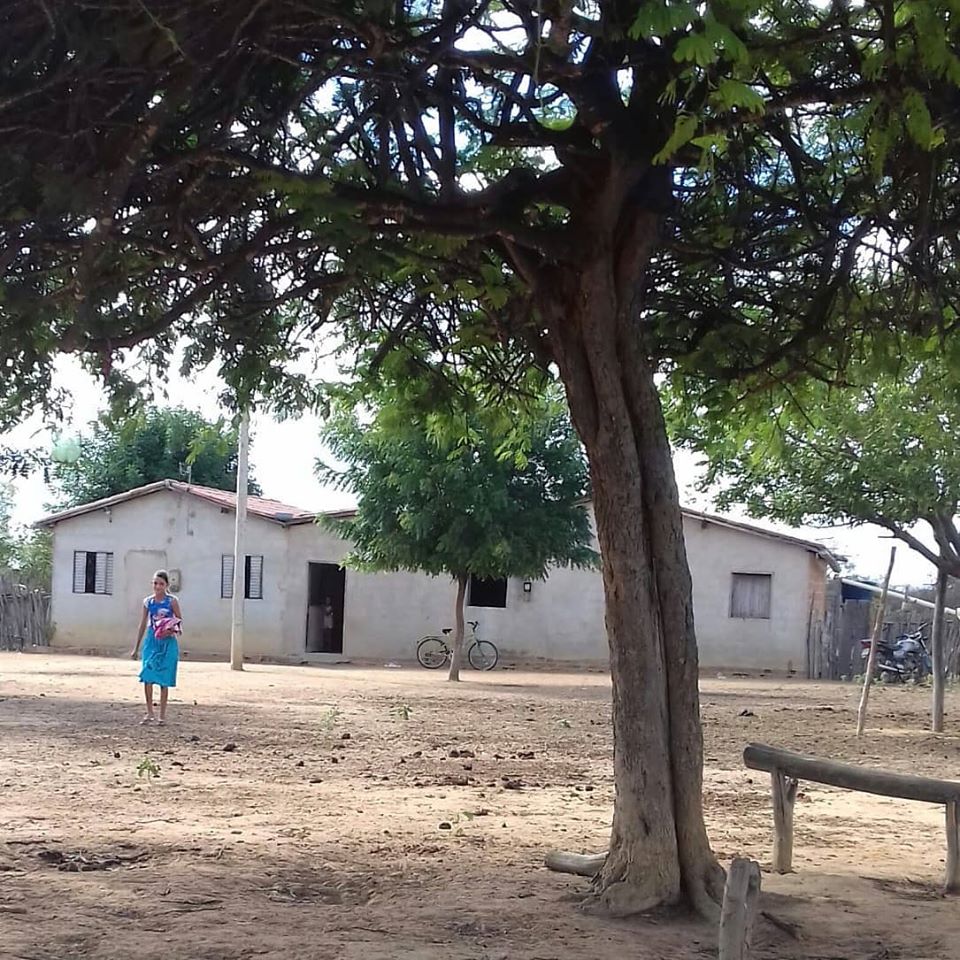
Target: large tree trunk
{"points": [[456, 649], [659, 852], [937, 653]]}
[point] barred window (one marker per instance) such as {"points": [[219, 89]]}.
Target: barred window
{"points": [[253, 577], [93, 572]]}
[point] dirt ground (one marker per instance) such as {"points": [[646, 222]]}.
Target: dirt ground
{"points": [[376, 813]]}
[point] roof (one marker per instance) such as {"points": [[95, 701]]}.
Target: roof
{"points": [[287, 515], [272, 510], [813, 546]]}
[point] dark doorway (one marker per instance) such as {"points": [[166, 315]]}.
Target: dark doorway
{"points": [[325, 596]]}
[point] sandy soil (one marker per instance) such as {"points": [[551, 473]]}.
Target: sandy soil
{"points": [[374, 813]]}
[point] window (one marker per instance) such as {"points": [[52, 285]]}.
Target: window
{"points": [[253, 577], [750, 596], [487, 593], [92, 572]]}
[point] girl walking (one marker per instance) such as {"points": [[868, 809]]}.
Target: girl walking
{"points": [[161, 652]]}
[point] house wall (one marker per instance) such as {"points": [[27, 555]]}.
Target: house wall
{"points": [[179, 532], [384, 613], [715, 553], [561, 618]]}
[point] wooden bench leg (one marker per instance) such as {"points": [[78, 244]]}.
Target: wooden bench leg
{"points": [[784, 797], [953, 848]]}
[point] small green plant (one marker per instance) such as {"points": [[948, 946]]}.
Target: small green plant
{"points": [[328, 719], [402, 711], [565, 723], [149, 768]]}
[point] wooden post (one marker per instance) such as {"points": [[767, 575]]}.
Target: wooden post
{"points": [[874, 642], [784, 796], [239, 550], [953, 848], [740, 896], [937, 652]]}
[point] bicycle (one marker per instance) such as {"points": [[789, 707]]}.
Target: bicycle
{"points": [[433, 652]]}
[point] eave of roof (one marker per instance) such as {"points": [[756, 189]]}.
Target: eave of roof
{"points": [[270, 510], [813, 546]]}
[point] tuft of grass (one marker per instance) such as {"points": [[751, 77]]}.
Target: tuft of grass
{"points": [[402, 711], [149, 768], [329, 718]]}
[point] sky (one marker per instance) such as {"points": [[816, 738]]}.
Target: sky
{"points": [[283, 456]]}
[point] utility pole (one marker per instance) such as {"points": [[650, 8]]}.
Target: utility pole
{"points": [[239, 551]]}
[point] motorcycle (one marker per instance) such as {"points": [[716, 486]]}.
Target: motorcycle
{"points": [[902, 660]]}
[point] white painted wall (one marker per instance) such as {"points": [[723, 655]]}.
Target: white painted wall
{"points": [[562, 617], [190, 535], [715, 553], [385, 614]]}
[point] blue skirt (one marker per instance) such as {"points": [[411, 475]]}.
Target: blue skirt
{"points": [[160, 659]]}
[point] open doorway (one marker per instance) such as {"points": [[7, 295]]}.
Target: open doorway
{"points": [[327, 582]]}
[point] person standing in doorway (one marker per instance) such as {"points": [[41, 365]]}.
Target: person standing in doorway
{"points": [[327, 625], [159, 626]]}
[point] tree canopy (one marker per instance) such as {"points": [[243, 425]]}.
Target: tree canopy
{"points": [[153, 444], [462, 491], [456, 492], [883, 448], [254, 160], [616, 188]]}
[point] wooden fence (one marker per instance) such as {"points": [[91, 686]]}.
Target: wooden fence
{"points": [[834, 641], [24, 617]]}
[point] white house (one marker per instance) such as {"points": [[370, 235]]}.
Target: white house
{"points": [[756, 592]]}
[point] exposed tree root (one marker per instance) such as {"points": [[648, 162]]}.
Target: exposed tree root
{"points": [[622, 899], [579, 864]]}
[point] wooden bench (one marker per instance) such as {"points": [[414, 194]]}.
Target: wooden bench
{"points": [[786, 769]]}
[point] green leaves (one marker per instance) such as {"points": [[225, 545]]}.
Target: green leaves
{"points": [[696, 48], [919, 123], [658, 18], [150, 445], [683, 131], [885, 448], [455, 487], [732, 93], [26, 556]]}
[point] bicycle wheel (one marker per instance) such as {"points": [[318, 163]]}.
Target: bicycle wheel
{"points": [[483, 655], [432, 653]]}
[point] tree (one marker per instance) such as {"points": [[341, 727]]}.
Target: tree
{"points": [[33, 560], [882, 449], [470, 492], [620, 187], [8, 549], [26, 556], [154, 444]]}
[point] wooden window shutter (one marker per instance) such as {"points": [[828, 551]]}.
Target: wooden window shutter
{"points": [[104, 575], [750, 596], [254, 578], [226, 576], [80, 571]]}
